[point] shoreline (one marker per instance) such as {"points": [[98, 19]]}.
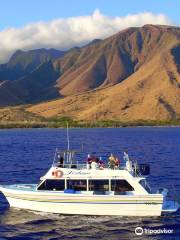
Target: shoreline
{"points": [[97, 124]]}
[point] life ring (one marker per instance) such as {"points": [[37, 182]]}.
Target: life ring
{"points": [[57, 173]]}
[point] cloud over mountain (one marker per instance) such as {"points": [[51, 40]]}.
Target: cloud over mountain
{"points": [[64, 33]]}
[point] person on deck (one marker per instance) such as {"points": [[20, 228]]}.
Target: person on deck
{"points": [[126, 156], [101, 164], [60, 161], [117, 163], [112, 161], [89, 161], [128, 162]]}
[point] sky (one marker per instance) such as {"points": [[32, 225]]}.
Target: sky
{"points": [[63, 24]]}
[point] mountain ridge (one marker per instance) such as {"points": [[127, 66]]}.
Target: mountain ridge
{"points": [[134, 74], [23, 63]]}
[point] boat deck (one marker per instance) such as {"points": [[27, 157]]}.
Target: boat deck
{"points": [[22, 187]]}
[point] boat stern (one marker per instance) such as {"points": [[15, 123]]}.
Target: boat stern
{"points": [[170, 206]]}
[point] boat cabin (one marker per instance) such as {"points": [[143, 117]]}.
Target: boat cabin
{"points": [[93, 177]]}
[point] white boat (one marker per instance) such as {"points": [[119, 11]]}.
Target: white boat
{"points": [[93, 188]]}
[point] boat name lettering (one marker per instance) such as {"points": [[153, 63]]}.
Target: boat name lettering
{"points": [[76, 173]]}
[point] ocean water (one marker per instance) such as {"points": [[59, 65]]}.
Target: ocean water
{"points": [[25, 155]]}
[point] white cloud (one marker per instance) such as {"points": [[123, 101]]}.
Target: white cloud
{"points": [[66, 33]]}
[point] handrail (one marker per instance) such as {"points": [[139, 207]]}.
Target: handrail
{"points": [[85, 166]]}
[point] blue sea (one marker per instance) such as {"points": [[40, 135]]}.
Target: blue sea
{"points": [[26, 154]]}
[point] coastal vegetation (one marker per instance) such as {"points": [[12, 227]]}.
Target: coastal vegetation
{"points": [[62, 122], [19, 117]]}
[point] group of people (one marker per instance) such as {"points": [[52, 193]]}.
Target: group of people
{"points": [[97, 163], [94, 162], [113, 162]]}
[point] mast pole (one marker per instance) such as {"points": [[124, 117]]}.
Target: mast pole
{"points": [[68, 156], [68, 136]]}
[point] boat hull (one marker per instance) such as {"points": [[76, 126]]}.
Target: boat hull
{"points": [[62, 203], [116, 209]]}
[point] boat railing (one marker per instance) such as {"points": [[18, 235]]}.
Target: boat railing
{"points": [[81, 166]]}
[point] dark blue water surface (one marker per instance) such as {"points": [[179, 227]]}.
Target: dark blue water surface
{"points": [[25, 155]]}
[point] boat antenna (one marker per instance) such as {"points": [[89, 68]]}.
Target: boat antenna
{"points": [[54, 157], [82, 147], [68, 136]]}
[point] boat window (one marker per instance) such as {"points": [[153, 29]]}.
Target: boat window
{"points": [[52, 184], [99, 185], [77, 185], [121, 186], [145, 185]]}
